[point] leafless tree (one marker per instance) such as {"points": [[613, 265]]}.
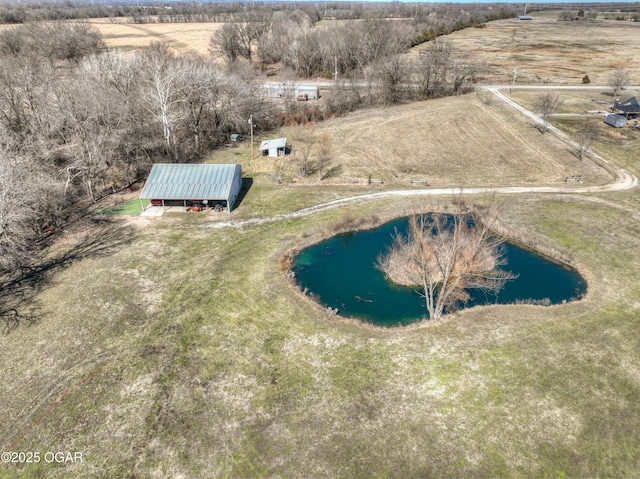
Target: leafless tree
{"points": [[25, 185], [546, 105], [432, 69], [24, 85], [566, 15], [112, 69], [89, 128], [447, 256], [591, 14], [304, 139], [325, 152], [198, 90], [225, 43], [463, 71], [163, 80], [236, 39], [389, 74], [618, 78], [586, 134], [286, 29]]}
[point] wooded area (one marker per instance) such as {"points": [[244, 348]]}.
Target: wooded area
{"points": [[78, 122]]}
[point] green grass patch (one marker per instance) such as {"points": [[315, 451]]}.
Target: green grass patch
{"points": [[130, 208]]}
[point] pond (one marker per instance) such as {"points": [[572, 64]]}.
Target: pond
{"points": [[341, 273]]}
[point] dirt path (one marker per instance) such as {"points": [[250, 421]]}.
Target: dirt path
{"points": [[624, 180]]}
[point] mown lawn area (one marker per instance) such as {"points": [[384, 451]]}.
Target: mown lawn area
{"points": [[130, 208]]}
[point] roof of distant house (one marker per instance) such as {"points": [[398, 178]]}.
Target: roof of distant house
{"points": [[630, 105]]}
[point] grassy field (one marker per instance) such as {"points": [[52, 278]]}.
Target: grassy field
{"points": [[180, 350], [619, 144], [454, 141], [183, 38], [166, 348], [547, 51]]}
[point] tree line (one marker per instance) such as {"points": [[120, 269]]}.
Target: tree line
{"points": [[367, 55], [176, 12]]}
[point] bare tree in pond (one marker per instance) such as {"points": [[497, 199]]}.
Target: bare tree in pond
{"points": [[447, 256], [546, 105]]}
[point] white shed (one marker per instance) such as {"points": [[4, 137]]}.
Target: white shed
{"points": [[275, 147]]}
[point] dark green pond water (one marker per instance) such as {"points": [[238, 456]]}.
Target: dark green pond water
{"points": [[341, 273]]}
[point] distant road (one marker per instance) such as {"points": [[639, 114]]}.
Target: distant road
{"points": [[551, 87], [330, 84]]}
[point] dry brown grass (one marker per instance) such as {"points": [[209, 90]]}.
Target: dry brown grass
{"points": [[580, 102], [621, 145], [183, 38], [548, 51], [452, 141]]}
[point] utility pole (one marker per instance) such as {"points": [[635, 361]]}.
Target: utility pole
{"points": [[251, 126], [513, 83]]}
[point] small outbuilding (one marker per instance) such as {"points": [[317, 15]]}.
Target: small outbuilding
{"points": [[175, 184], [629, 108], [617, 121], [275, 147]]}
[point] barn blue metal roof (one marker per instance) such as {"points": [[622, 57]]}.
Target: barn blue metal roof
{"points": [[174, 181]]}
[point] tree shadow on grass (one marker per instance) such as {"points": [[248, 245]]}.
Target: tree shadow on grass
{"points": [[102, 237]]}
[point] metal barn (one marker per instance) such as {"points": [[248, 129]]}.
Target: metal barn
{"points": [[174, 184], [617, 121]]}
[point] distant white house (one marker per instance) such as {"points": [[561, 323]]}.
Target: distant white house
{"points": [[275, 147]]}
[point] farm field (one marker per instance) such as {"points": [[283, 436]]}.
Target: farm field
{"points": [[547, 51], [167, 347], [544, 50], [183, 38]]}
